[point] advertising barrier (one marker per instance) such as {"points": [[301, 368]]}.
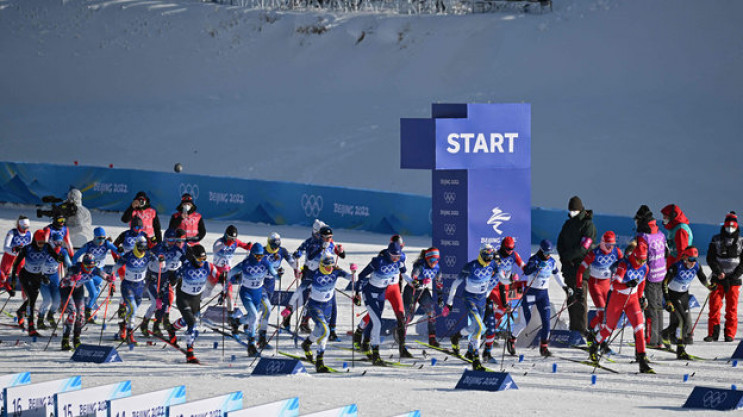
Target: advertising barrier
{"points": [[11, 380], [151, 404], [283, 408], [90, 402], [212, 407], [36, 400]]}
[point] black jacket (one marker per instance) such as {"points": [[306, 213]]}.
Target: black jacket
{"points": [[569, 241]]}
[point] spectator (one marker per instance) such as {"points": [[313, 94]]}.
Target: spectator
{"points": [[648, 232], [80, 224], [679, 233], [142, 207], [724, 258], [189, 220], [573, 244]]}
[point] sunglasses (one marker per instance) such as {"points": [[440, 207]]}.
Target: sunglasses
{"points": [[100, 238], [691, 259], [258, 257], [174, 240]]}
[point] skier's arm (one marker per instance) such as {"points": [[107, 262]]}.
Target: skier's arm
{"points": [[157, 229], [8, 243]]}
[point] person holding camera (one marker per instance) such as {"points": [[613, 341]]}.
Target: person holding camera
{"points": [[141, 207], [79, 222], [188, 219]]}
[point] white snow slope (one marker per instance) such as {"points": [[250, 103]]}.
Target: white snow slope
{"points": [[636, 94]]}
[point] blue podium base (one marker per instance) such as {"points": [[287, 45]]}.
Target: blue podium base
{"points": [[486, 381], [96, 354]]}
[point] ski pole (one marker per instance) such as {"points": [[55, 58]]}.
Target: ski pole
{"points": [[6, 303], [556, 315], [353, 321], [61, 316], [601, 353], [700, 312], [105, 312]]}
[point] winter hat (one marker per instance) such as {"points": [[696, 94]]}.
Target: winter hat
{"points": [[609, 237], [575, 204], [394, 248], [731, 220], [643, 213]]}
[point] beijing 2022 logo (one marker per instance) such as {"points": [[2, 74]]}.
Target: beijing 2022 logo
{"points": [[312, 204], [497, 218], [192, 189]]}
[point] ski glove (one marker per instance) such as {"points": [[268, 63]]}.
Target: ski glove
{"points": [[357, 299], [669, 306], [569, 291], [631, 283], [220, 300], [643, 303], [711, 286], [286, 312], [45, 280], [447, 309]]}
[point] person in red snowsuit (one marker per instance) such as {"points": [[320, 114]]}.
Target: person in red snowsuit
{"points": [[724, 257], [601, 263], [627, 285]]}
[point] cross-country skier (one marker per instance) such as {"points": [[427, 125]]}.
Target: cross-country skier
{"points": [[479, 278], [74, 282], [15, 240], [383, 271], [99, 247], [189, 281], [627, 287], [58, 226], [224, 251], [251, 272], [320, 305], [125, 243], [133, 283], [303, 250], [275, 254], [30, 261], [497, 304], [676, 293], [425, 274], [174, 251], [601, 263], [50, 285]]}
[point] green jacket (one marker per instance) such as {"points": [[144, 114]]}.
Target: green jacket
{"points": [[569, 242]]}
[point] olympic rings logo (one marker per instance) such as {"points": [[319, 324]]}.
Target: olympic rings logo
{"points": [[388, 269], [312, 204], [450, 324], [450, 261], [192, 189], [713, 399], [450, 197], [198, 273], [274, 367], [450, 229], [324, 280], [255, 270], [483, 272]]}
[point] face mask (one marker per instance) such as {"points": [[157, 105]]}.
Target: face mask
{"points": [[185, 208], [666, 220], [731, 230], [573, 213]]}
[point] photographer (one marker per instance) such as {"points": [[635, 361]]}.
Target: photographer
{"points": [[142, 208], [78, 218]]}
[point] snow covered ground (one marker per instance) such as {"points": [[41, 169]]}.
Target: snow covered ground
{"points": [[381, 391]]}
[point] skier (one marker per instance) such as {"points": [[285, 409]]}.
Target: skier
{"points": [[155, 281], [573, 244], [394, 298], [538, 270], [142, 207], [15, 240], [507, 278], [189, 220], [189, 282], [479, 278], [251, 272], [725, 258], [99, 247], [383, 271], [132, 285], [174, 252], [224, 250], [275, 254], [58, 227], [425, 274], [648, 232], [74, 282], [80, 223], [627, 287], [319, 305], [125, 243], [676, 292], [601, 263], [50, 284], [31, 275]]}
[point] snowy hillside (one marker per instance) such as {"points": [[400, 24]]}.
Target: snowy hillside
{"points": [[633, 102]]}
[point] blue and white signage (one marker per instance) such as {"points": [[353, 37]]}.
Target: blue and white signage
{"points": [[90, 402], [486, 381], [36, 400], [283, 408], [152, 404], [12, 380], [415, 413], [347, 411], [210, 407]]}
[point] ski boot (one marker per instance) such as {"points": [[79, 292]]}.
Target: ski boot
{"points": [[252, 348], [681, 353], [593, 352], [470, 354], [32, 329], [262, 341], [50, 319], [487, 356], [66, 343], [144, 327], [477, 365], [304, 327], [375, 359], [333, 337], [20, 315], [130, 337], [121, 335], [320, 365], [455, 342], [544, 349], [89, 316], [511, 346], [366, 348], [172, 338], [40, 323], [405, 353], [357, 335], [728, 338], [642, 360], [76, 340], [306, 348], [432, 340], [156, 329], [235, 326], [190, 357], [590, 337]]}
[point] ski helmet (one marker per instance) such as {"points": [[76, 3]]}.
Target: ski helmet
{"points": [[199, 254], [327, 263], [639, 255], [230, 233], [487, 253], [398, 239], [99, 232], [140, 246], [609, 238], [257, 252], [326, 232], [508, 243], [88, 262], [274, 242]]}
